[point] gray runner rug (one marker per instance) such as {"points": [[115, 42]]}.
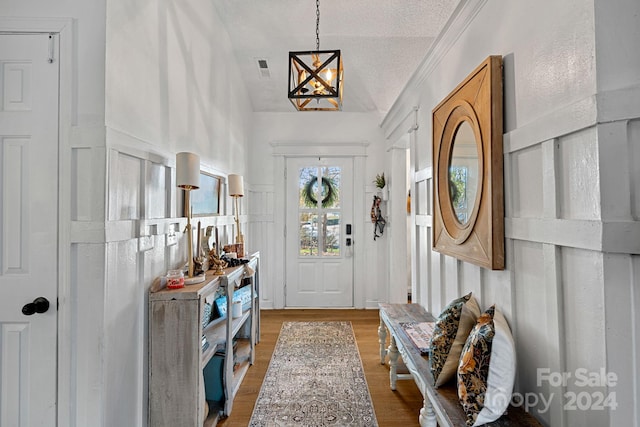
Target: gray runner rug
{"points": [[315, 379]]}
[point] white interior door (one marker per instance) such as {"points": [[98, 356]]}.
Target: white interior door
{"points": [[28, 230], [319, 214]]}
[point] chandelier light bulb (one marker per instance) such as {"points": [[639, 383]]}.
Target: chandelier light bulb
{"points": [[328, 76]]}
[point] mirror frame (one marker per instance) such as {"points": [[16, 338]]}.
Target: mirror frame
{"points": [[477, 100]]}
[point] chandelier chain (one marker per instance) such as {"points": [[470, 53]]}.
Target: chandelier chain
{"points": [[317, 24]]}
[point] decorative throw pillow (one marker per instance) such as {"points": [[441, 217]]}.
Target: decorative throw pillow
{"points": [[487, 369], [449, 335]]}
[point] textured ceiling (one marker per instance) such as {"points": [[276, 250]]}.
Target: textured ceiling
{"points": [[382, 43]]}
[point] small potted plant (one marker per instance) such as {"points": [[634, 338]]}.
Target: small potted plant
{"points": [[381, 184]]}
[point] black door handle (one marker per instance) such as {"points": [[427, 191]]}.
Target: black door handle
{"points": [[39, 305]]}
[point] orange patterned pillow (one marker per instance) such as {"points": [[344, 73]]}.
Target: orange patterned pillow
{"points": [[487, 369]]}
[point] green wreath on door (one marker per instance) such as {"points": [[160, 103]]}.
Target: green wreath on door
{"points": [[329, 189]]}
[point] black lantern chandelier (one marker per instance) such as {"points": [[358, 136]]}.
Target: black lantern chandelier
{"points": [[316, 75]]}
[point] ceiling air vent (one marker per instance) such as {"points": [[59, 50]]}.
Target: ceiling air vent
{"points": [[263, 68]]}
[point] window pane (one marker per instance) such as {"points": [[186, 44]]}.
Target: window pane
{"points": [[330, 187], [331, 234], [308, 233], [308, 187]]}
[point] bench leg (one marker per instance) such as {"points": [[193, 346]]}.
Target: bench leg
{"points": [[393, 363], [427, 415], [382, 339]]}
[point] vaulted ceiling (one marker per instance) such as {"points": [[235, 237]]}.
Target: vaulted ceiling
{"points": [[382, 42]]}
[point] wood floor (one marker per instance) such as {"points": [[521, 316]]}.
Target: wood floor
{"points": [[393, 408]]}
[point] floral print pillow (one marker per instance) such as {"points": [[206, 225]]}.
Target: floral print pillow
{"points": [[449, 335], [486, 372]]}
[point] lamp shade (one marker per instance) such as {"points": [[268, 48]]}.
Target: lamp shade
{"points": [[236, 185], [188, 170]]}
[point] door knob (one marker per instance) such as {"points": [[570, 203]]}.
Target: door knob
{"points": [[39, 305]]}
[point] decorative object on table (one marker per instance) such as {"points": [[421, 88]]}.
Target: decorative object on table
{"points": [[206, 244], [200, 261], [234, 248], [213, 253], [175, 279], [468, 193], [243, 295], [236, 190], [236, 309], [200, 265], [218, 266], [216, 263], [188, 178], [233, 262], [315, 378], [376, 218], [316, 75], [420, 334]]}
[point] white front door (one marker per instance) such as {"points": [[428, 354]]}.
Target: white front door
{"points": [[319, 214], [28, 230]]}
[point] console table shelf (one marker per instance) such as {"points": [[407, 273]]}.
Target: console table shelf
{"points": [[183, 341]]}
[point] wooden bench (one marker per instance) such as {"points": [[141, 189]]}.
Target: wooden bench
{"points": [[441, 405]]}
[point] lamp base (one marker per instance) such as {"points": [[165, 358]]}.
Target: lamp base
{"points": [[195, 279]]}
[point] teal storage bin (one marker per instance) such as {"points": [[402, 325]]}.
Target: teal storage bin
{"points": [[213, 374]]}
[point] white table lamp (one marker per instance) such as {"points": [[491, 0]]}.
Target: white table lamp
{"points": [[236, 190]]}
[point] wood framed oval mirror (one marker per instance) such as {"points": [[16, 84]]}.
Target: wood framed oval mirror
{"points": [[468, 196]]}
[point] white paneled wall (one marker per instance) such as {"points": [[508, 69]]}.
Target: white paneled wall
{"points": [[117, 262], [570, 290], [262, 232]]}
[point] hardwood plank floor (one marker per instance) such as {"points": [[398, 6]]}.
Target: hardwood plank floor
{"points": [[393, 408]]}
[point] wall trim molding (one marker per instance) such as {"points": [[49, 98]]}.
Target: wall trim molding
{"points": [[424, 174], [34, 24], [406, 125], [82, 232], [617, 105], [424, 220], [323, 149], [605, 107], [563, 121], [619, 237]]}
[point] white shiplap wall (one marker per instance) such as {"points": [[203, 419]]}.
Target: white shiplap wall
{"points": [[570, 287]]}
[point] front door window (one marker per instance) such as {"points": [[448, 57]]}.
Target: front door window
{"points": [[319, 211]]}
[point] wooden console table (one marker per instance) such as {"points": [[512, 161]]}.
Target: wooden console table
{"points": [[183, 340]]}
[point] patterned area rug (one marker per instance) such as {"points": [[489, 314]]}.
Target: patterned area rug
{"points": [[315, 378]]}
